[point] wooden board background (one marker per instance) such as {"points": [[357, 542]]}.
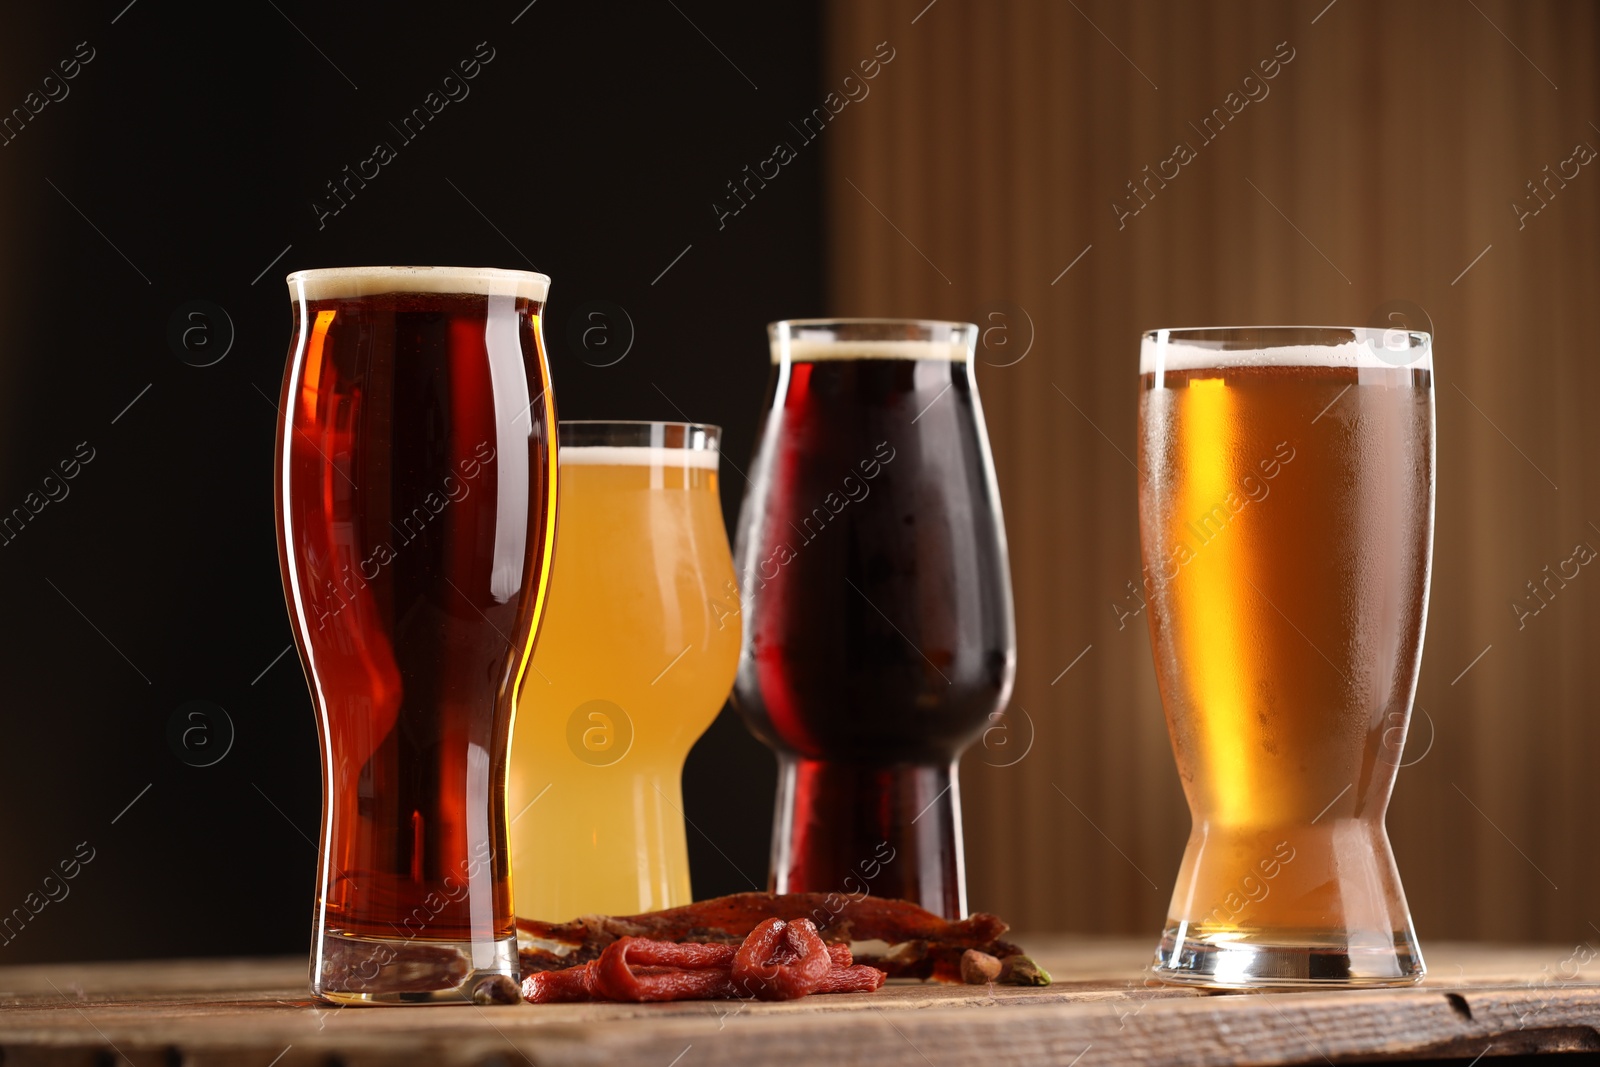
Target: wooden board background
{"points": [[1101, 1010], [984, 161]]}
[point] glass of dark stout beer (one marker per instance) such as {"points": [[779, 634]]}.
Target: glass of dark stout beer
{"points": [[878, 634], [1286, 519], [416, 505]]}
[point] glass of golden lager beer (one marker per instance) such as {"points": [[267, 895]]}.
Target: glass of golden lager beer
{"points": [[635, 657], [1286, 522]]}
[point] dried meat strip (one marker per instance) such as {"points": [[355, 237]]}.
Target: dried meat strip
{"points": [[616, 978], [777, 961], [566, 986], [730, 919], [781, 960], [688, 956], [854, 979], [837, 918]]}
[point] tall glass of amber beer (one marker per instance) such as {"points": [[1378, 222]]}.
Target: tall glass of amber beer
{"points": [[878, 634], [1286, 520], [415, 483], [636, 656]]}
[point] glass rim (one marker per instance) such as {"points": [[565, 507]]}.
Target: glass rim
{"points": [[688, 436], [815, 340], [777, 324], [1195, 333], [1349, 347]]}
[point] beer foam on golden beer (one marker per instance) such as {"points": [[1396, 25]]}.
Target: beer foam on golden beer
{"points": [[637, 456], [1370, 350], [825, 351], [341, 283]]}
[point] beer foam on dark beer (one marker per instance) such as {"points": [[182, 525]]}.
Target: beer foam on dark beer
{"points": [[340, 283], [824, 351], [637, 456], [1372, 350]]}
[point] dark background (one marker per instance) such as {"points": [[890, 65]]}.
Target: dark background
{"points": [[183, 160]]}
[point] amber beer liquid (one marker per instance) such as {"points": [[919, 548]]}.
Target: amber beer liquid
{"points": [[636, 655], [1286, 508], [416, 479]]}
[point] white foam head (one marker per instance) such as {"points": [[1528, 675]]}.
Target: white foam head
{"points": [[820, 340], [637, 456], [822, 351], [337, 283], [1366, 349]]}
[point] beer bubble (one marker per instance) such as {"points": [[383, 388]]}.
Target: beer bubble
{"points": [[599, 732], [200, 333], [1005, 334], [200, 733], [601, 332], [1392, 322]]}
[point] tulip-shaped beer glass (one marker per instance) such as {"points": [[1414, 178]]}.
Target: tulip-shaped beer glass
{"points": [[416, 495], [636, 656], [1286, 520], [878, 638]]}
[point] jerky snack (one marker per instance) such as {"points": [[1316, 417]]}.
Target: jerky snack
{"points": [[778, 960], [923, 945]]}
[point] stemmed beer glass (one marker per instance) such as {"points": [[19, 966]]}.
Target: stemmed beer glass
{"points": [[878, 638], [1286, 519]]}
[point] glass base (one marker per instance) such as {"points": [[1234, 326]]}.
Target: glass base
{"points": [[1287, 959], [893, 831], [350, 970]]}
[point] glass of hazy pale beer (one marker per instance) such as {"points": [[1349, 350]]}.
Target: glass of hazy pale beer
{"points": [[1286, 481], [878, 635], [415, 486], [634, 660]]}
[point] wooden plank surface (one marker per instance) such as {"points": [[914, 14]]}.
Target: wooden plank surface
{"points": [[1101, 1007]]}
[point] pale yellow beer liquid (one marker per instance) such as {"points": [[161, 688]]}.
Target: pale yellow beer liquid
{"points": [[635, 657]]}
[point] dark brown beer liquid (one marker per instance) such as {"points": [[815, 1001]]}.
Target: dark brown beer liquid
{"points": [[413, 529], [878, 632]]}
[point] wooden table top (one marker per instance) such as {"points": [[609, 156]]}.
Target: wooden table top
{"points": [[1101, 1010]]}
